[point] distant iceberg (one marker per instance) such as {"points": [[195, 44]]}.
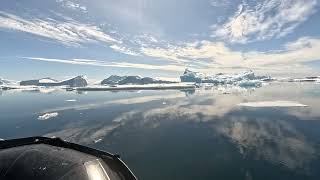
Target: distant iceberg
{"points": [[126, 80], [245, 79], [7, 82], [79, 81]]}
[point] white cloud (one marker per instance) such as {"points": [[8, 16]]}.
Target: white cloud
{"points": [[70, 33], [89, 62], [265, 20]]}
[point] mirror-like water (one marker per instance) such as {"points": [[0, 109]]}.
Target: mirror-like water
{"points": [[181, 134]]}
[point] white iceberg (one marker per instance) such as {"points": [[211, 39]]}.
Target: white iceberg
{"points": [[246, 79], [273, 104], [48, 116]]}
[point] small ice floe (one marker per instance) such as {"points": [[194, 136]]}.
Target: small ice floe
{"points": [[48, 116], [71, 100], [1, 139], [97, 140], [273, 104], [164, 103]]}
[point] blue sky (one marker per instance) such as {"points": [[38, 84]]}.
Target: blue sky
{"points": [[158, 38]]}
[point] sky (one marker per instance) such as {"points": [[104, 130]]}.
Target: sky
{"points": [[158, 38]]}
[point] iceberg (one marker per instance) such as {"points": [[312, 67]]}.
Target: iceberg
{"points": [[79, 81], [246, 79], [113, 79], [7, 82], [126, 80]]}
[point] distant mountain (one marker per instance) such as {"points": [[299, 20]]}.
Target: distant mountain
{"points": [[78, 81], [123, 80]]}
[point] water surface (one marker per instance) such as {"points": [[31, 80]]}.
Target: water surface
{"points": [[175, 134]]}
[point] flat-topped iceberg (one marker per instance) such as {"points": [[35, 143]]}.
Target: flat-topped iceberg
{"points": [[79, 81], [245, 79], [126, 80]]}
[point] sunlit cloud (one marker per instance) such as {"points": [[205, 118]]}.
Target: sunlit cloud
{"points": [[265, 20], [216, 55]]}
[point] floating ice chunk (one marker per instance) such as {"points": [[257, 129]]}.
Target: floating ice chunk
{"points": [[97, 140], [273, 104], [1, 139], [48, 116], [71, 100]]}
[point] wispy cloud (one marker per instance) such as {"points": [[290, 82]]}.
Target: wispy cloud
{"points": [[212, 57], [99, 63], [219, 3], [124, 50], [69, 32], [265, 20]]}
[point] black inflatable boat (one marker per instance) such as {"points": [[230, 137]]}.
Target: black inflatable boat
{"points": [[38, 158]]}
